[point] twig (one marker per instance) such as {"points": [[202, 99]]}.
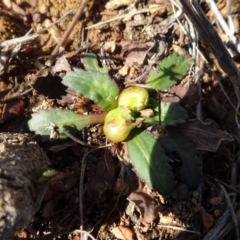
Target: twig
{"points": [[82, 173], [212, 39], [127, 15], [17, 96], [20, 40], [223, 183], [195, 55], [13, 8], [85, 233], [28, 38], [208, 65], [177, 228], [66, 33], [120, 176], [228, 31], [52, 236], [229, 18], [162, 47], [233, 215], [216, 230], [193, 40], [162, 234], [78, 140], [226, 228], [59, 20], [223, 90], [199, 85]]}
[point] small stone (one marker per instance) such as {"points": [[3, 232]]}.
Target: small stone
{"points": [[217, 213], [195, 194], [215, 201], [207, 219], [37, 17]]}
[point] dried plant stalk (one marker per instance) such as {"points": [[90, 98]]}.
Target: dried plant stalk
{"points": [[211, 38]]}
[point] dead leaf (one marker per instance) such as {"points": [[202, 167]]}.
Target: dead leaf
{"points": [[207, 219], [110, 46], [103, 178], [205, 136], [215, 201], [126, 184], [12, 109], [12, 7], [55, 186], [147, 206], [122, 232], [185, 94], [136, 54], [55, 31], [124, 71], [61, 65], [156, 10], [215, 108]]}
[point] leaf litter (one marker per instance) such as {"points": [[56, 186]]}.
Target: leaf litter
{"points": [[152, 212]]}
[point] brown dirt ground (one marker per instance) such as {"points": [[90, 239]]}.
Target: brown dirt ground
{"points": [[109, 212]]}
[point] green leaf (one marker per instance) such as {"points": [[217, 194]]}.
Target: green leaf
{"points": [[95, 86], [171, 113], [48, 174], [65, 120], [150, 162], [90, 62], [177, 145], [169, 72]]}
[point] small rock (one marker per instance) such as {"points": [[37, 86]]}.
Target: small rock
{"points": [[215, 201]]}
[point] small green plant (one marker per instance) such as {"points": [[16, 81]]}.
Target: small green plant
{"points": [[123, 121]]}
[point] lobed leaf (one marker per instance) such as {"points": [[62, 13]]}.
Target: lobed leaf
{"points": [[150, 162], [95, 86], [90, 62], [65, 120], [169, 72]]}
